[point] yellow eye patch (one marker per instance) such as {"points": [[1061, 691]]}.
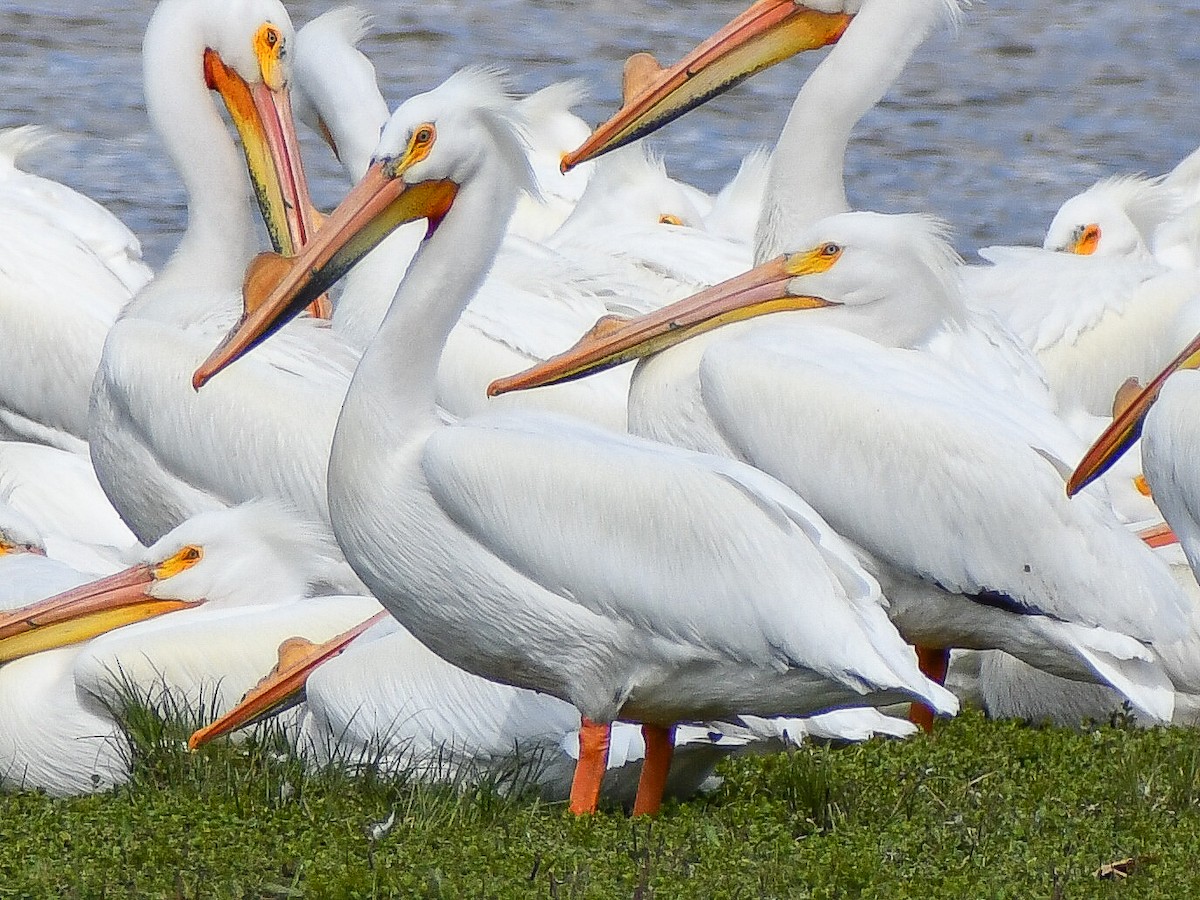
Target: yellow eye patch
{"points": [[812, 262], [420, 144], [178, 562], [269, 50]]}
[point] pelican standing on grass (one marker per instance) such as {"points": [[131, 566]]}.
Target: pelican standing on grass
{"points": [[630, 579], [953, 493]]}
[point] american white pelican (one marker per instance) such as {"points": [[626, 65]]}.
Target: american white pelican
{"points": [[1164, 415], [424, 716], [630, 579], [874, 40], [953, 492], [1094, 304], [59, 493], [644, 234], [237, 584], [27, 573], [50, 740], [534, 298], [161, 452], [68, 268]]}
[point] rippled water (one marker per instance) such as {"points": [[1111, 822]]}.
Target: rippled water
{"points": [[990, 127]]}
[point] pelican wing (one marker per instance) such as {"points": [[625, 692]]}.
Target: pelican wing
{"points": [[264, 431], [944, 479], [694, 549], [1047, 297]]}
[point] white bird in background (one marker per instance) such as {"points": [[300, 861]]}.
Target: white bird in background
{"points": [[60, 495], [874, 40], [161, 452], [953, 493], [236, 584], [68, 268], [50, 740], [27, 572], [643, 234], [805, 179], [690, 587], [1094, 304]]}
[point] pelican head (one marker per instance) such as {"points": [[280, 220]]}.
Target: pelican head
{"points": [[432, 145], [770, 31], [1115, 217], [242, 49], [891, 277], [336, 92], [249, 554]]}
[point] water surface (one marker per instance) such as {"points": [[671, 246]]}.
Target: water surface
{"points": [[990, 127]]}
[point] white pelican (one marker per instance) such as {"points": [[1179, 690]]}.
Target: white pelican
{"points": [[51, 740], [952, 491], [630, 579], [425, 716], [1094, 305], [236, 583], [805, 181], [874, 41], [59, 493], [27, 572], [161, 452], [644, 235], [68, 268], [534, 299]]}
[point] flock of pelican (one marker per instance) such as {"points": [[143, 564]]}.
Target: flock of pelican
{"points": [[442, 512]]}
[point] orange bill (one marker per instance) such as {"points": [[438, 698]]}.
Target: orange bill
{"points": [[83, 613], [614, 341], [1126, 427], [284, 686], [262, 114], [276, 290], [770, 31]]}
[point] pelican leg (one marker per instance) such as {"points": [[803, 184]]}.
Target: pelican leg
{"points": [[592, 764], [660, 745], [933, 662]]}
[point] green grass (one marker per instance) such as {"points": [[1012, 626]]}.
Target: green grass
{"points": [[981, 809]]}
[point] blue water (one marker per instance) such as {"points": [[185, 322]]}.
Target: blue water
{"points": [[990, 127]]}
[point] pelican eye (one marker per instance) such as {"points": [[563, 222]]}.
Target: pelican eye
{"points": [[419, 145], [831, 250], [269, 50], [180, 561]]}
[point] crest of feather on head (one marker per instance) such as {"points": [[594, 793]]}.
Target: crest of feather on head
{"points": [[348, 24], [485, 94]]}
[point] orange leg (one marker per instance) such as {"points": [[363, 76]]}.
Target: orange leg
{"points": [[660, 745], [933, 662], [592, 764]]}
